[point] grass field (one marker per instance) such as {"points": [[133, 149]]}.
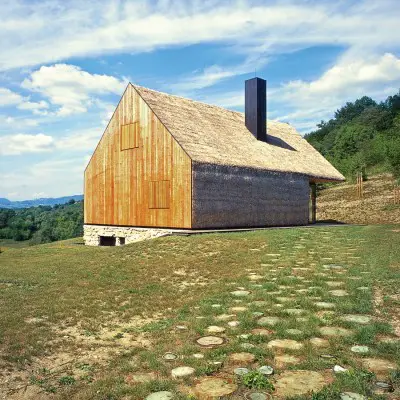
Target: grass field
{"points": [[96, 323]]}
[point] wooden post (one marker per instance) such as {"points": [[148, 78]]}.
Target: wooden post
{"points": [[313, 203]]}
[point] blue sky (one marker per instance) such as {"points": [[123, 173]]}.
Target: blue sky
{"points": [[64, 66]]}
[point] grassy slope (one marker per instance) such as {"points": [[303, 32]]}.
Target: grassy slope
{"points": [[50, 290], [340, 202]]}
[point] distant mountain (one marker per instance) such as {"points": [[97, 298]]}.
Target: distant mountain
{"points": [[49, 201]]}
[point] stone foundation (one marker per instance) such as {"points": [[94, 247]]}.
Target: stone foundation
{"points": [[92, 234]]}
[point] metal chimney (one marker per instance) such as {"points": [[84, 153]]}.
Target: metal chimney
{"points": [[256, 107]]}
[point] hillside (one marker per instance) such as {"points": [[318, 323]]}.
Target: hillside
{"points": [[340, 202], [45, 201], [363, 136], [121, 323]]}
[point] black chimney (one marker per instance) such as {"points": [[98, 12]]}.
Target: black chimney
{"points": [[256, 107]]}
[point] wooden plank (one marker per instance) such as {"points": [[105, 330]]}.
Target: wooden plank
{"points": [[118, 188]]}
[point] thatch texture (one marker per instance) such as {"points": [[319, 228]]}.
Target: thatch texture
{"points": [[228, 197], [214, 135]]}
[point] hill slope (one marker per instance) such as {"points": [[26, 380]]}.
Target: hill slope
{"points": [[340, 202], [45, 201]]}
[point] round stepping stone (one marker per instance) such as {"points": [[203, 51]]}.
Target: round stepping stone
{"points": [[332, 266], [215, 329], [351, 396], [240, 293], [212, 387], [164, 395], [297, 383], [244, 336], [284, 299], [241, 371], [338, 293], [256, 396], [210, 341], [224, 317], [216, 305], [286, 359], [319, 342], [268, 321], [198, 355], [181, 372], [259, 303], [242, 358], [379, 365], [181, 327], [335, 331], [294, 331], [258, 314], [170, 356], [233, 324], [285, 344], [238, 309], [255, 277], [363, 288], [266, 370], [334, 283], [324, 304], [141, 377], [247, 346], [359, 319], [262, 332], [294, 311]]}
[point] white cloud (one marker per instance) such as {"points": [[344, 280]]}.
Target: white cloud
{"points": [[44, 32], [8, 97], [36, 107], [24, 143], [39, 195], [70, 88], [85, 140]]}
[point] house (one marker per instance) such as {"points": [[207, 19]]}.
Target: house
{"points": [[169, 162]]}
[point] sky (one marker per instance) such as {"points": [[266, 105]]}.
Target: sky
{"points": [[65, 64]]}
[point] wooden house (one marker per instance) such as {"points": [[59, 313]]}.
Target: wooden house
{"points": [[169, 162]]}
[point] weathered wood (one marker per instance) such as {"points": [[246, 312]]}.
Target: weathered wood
{"points": [[139, 175], [313, 203]]}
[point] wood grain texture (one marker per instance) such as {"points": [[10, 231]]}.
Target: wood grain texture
{"points": [[119, 184]]}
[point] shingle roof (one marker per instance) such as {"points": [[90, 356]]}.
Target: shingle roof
{"points": [[214, 135]]}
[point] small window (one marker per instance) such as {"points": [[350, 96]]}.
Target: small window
{"points": [[130, 136], [107, 241], [121, 241], [159, 194]]}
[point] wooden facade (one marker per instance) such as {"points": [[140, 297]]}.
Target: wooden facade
{"points": [[138, 175]]}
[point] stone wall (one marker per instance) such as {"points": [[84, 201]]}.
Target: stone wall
{"points": [[233, 197], [92, 233]]}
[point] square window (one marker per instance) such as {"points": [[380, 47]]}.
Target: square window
{"points": [[159, 194], [130, 136]]}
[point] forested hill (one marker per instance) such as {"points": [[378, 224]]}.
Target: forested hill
{"points": [[43, 223], [46, 201], [363, 135]]}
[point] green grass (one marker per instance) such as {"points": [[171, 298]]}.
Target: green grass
{"points": [[115, 310]]}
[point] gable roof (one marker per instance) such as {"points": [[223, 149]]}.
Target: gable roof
{"points": [[214, 135]]}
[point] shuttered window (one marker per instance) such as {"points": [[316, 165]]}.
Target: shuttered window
{"points": [[159, 194], [130, 136]]}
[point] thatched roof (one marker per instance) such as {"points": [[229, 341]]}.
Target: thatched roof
{"points": [[214, 135]]}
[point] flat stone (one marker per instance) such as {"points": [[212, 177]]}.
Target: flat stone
{"points": [[334, 283], [338, 293], [268, 321], [240, 293], [259, 303], [255, 277], [210, 341], [332, 266], [319, 342], [297, 383], [351, 396], [359, 319], [256, 396], [141, 377], [224, 317], [261, 332], [170, 356], [233, 324], [284, 299], [238, 309], [164, 395], [285, 344], [363, 288], [181, 372], [241, 371], [286, 359], [335, 331], [242, 358], [181, 327], [215, 329], [198, 355], [244, 336], [324, 304], [258, 314], [266, 370], [379, 366], [216, 305], [213, 387]]}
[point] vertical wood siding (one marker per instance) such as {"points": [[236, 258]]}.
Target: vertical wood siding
{"points": [[118, 183]]}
